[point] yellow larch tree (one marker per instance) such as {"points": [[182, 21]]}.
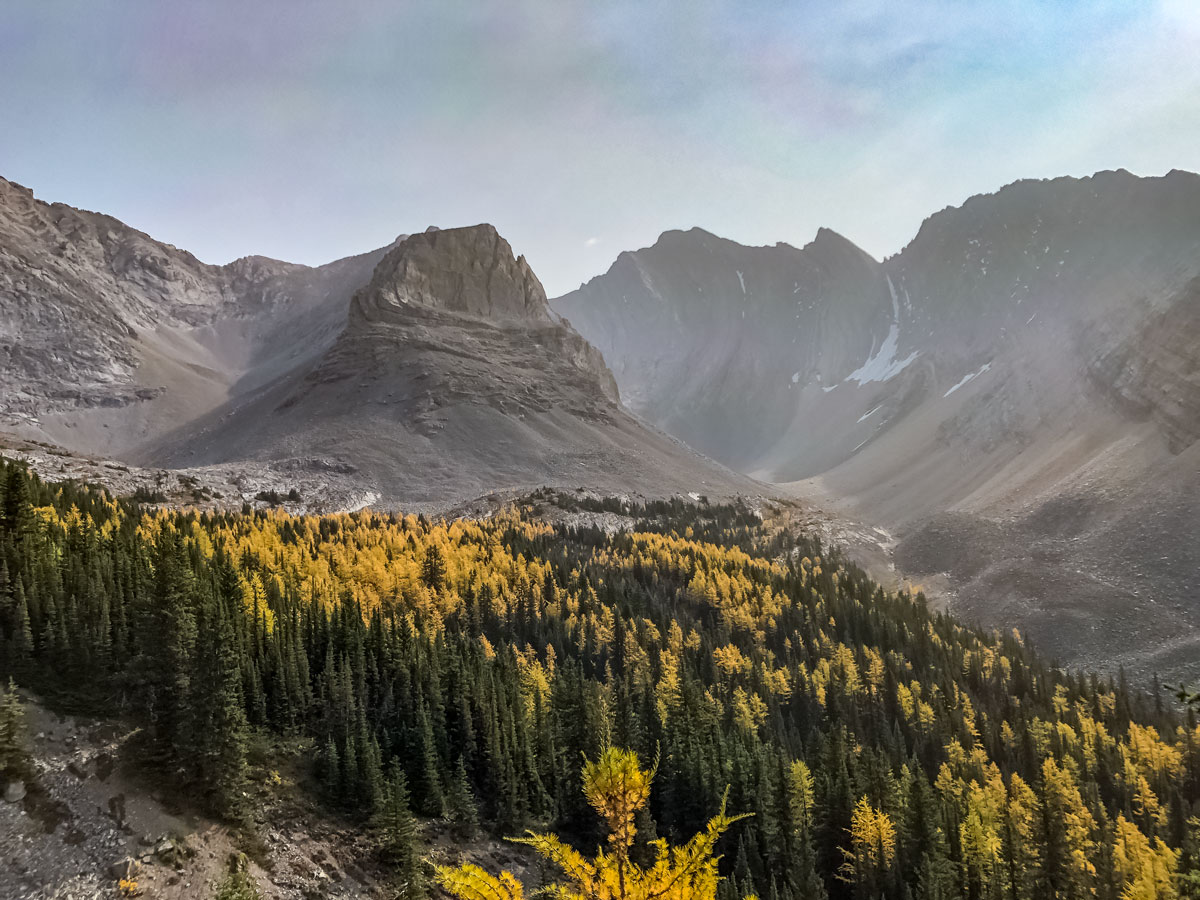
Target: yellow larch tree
{"points": [[617, 787], [873, 848]]}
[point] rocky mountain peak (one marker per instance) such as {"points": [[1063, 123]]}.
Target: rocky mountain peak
{"points": [[468, 271], [833, 250]]}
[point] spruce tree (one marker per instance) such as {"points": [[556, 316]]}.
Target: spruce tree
{"points": [[398, 839], [433, 568], [218, 746], [14, 758], [430, 797], [1188, 869], [460, 804]]}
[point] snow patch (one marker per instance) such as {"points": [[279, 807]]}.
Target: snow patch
{"points": [[866, 416], [742, 282], [966, 378], [795, 378], [882, 364]]}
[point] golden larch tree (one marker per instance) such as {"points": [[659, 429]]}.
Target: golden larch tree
{"points": [[617, 787]]}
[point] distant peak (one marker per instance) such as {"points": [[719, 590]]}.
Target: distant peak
{"points": [[679, 235], [828, 244]]}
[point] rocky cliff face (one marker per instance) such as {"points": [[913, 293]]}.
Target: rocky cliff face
{"points": [[1032, 345], [462, 291], [109, 338], [466, 271], [713, 340]]}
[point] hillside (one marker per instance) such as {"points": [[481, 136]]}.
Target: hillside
{"points": [[429, 371], [1015, 396], [883, 750]]}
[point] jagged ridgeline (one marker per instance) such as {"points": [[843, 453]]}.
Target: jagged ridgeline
{"points": [[882, 749]]}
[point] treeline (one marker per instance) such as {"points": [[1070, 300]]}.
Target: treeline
{"points": [[882, 749]]}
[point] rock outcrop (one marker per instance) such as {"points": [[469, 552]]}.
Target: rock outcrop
{"points": [[466, 271]]}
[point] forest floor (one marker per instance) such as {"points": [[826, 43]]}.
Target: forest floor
{"points": [[91, 815]]}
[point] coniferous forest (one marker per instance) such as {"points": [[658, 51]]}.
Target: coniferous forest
{"points": [[467, 669]]}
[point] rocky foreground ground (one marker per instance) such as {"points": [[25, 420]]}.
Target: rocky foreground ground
{"points": [[91, 825]]}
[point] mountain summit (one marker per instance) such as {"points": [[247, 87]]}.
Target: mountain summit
{"points": [[469, 271]]}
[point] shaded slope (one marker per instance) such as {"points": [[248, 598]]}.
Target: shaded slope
{"points": [[714, 341]]}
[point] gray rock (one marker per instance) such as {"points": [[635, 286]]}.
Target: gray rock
{"points": [[14, 792], [126, 868]]}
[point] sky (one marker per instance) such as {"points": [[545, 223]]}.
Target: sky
{"points": [[308, 131]]}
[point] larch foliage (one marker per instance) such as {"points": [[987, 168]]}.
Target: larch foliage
{"points": [[617, 788], [1145, 870], [873, 842]]}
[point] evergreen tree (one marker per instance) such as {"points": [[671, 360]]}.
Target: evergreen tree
{"points": [[14, 754], [433, 568], [398, 836], [1188, 869], [431, 798], [218, 746], [460, 804]]}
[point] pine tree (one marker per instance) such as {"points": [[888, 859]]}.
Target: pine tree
{"points": [[329, 767], [1063, 836], [21, 660], [431, 798], [433, 568], [169, 639], [1187, 878], [801, 799]]}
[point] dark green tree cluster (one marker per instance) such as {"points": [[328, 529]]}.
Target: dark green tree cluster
{"points": [[883, 750]]}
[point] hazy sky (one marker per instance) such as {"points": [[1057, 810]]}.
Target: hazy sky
{"points": [[312, 130]]}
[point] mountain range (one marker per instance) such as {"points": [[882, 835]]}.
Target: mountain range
{"points": [[1012, 401], [429, 371], [1014, 397]]}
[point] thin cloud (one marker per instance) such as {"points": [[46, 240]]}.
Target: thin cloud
{"points": [[307, 133]]}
